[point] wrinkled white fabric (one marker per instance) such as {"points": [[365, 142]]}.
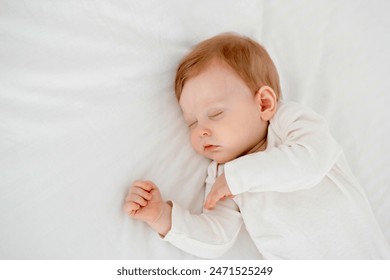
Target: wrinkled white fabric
{"points": [[298, 199]]}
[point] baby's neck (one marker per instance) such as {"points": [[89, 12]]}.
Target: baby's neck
{"points": [[261, 146]]}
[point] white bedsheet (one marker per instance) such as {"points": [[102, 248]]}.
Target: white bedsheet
{"points": [[87, 106]]}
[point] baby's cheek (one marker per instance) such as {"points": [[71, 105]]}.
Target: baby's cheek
{"points": [[195, 144]]}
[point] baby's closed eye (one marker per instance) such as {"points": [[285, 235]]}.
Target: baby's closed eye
{"points": [[192, 124], [215, 115]]}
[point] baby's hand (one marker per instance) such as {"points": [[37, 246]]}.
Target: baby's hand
{"points": [[144, 202], [219, 191]]}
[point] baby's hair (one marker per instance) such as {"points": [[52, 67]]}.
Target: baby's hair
{"points": [[245, 56]]}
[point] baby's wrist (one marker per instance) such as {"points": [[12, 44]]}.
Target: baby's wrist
{"points": [[162, 223]]}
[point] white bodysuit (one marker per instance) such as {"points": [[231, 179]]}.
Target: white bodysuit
{"points": [[298, 199]]}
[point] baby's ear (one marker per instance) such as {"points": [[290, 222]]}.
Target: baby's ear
{"points": [[267, 101]]}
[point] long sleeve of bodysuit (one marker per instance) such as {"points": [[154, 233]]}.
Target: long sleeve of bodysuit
{"points": [[300, 152], [209, 234]]}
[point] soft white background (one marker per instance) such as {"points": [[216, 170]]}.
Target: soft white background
{"points": [[87, 106]]}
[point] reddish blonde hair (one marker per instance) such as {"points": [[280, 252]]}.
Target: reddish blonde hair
{"points": [[245, 56]]}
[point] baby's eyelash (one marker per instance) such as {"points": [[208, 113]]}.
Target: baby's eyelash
{"points": [[215, 115], [192, 124]]}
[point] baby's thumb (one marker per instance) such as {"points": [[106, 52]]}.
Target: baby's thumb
{"points": [[210, 202]]}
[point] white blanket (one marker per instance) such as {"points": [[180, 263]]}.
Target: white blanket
{"points": [[87, 106]]}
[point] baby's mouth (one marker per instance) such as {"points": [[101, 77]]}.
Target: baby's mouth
{"points": [[207, 148]]}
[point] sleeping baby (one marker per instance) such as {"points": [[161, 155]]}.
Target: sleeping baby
{"points": [[275, 168]]}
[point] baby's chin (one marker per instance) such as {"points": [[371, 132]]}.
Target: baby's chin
{"points": [[220, 156], [222, 160]]}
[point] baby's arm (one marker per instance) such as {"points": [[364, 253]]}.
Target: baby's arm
{"points": [[209, 234], [303, 153], [144, 202]]}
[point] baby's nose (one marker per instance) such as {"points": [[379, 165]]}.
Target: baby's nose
{"points": [[205, 132]]}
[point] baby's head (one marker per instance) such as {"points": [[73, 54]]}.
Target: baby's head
{"points": [[228, 89]]}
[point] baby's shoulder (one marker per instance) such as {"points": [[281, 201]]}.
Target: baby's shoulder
{"points": [[291, 108], [288, 112]]}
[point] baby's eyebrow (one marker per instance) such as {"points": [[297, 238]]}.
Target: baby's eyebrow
{"points": [[215, 109], [188, 117]]}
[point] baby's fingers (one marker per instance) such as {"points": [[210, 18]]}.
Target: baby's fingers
{"points": [[145, 185], [131, 208], [210, 202], [135, 190], [133, 197], [214, 197]]}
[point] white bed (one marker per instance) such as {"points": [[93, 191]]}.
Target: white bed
{"points": [[87, 106]]}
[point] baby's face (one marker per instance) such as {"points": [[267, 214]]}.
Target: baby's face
{"points": [[222, 114]]}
